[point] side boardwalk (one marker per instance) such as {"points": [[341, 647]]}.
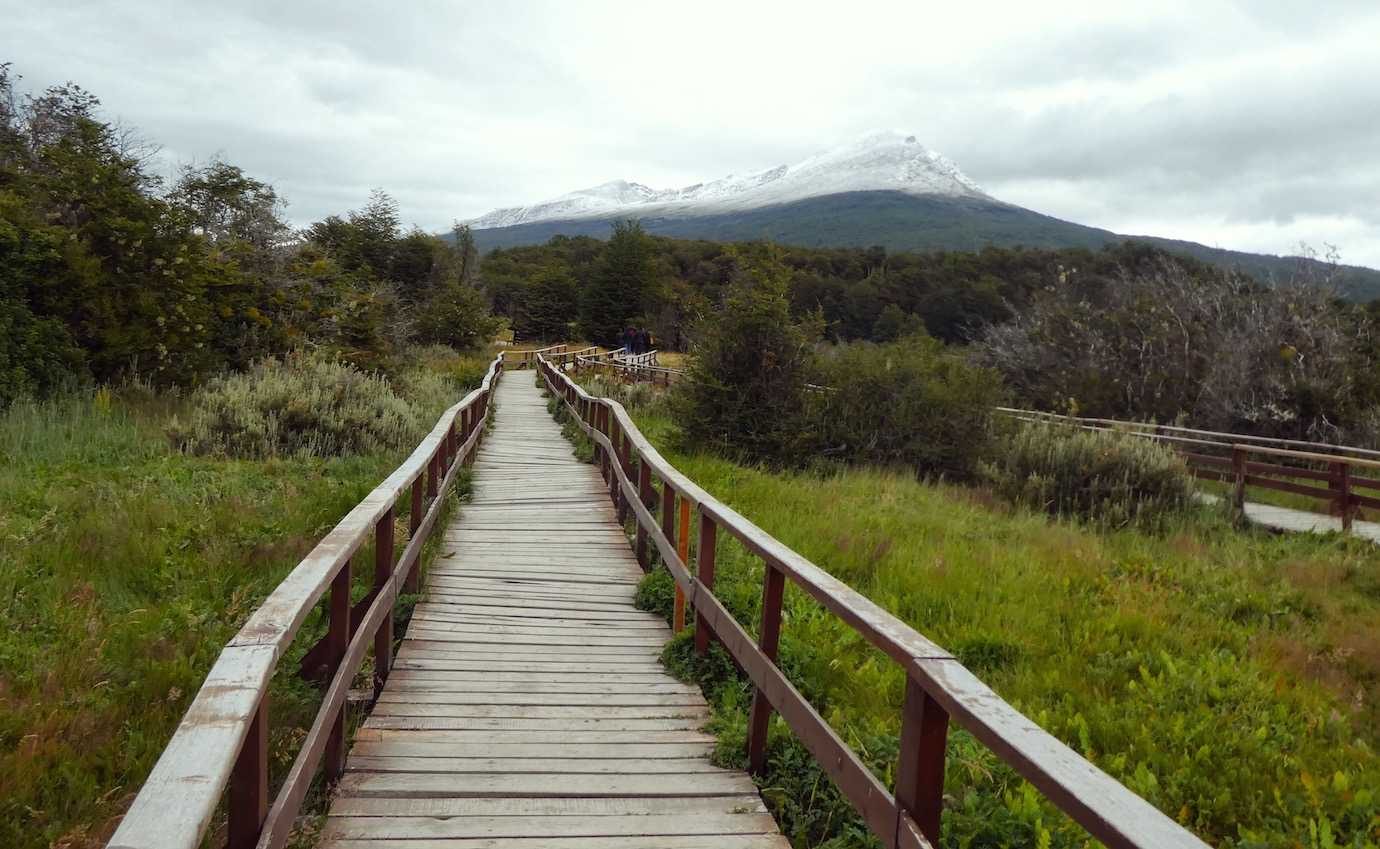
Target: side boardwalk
{"points": [[527, 708]]}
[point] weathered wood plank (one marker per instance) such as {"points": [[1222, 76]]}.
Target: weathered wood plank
{"points": [[396, 828], [641, 806], [431, 785]]}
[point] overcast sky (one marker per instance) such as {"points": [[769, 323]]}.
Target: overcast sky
{"points": [[1250, 125]]}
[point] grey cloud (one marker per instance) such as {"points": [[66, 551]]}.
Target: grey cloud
{"points": [[1256, 115]]}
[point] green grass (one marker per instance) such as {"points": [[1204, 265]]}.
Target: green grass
{"points": [[1230, 677], [125, 566]]}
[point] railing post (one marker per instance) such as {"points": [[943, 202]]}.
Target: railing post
{"points": [[773, 586], [705, 576], [414, 524], [644, 491], [339, 637], [1238, 469], [683, 549], [920, 771], [248, 803], [383, 570], [433, 478], [668, 530], [615, 489], [1343, 475]]}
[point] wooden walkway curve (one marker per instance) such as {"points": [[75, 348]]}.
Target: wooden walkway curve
{"points": [[527, 707]]}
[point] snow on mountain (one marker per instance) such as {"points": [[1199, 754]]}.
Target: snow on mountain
{"points": [[881, 161]]}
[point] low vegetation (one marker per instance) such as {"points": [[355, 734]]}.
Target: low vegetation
{"points": [[1104, 477], [1230, 677], [125, 566], [300, 406]]}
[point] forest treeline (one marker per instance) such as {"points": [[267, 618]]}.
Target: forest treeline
{"points": [[107, 269], [1130, 331]]}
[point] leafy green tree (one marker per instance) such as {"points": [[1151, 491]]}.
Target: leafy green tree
{"points": [[745, 393], [911, 402], [895, 323], [615, 294], [457, 316]]}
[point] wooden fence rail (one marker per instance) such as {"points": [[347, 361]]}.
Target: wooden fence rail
{"points": [[1242, 460], [220, 749], [636, 368], [939, 690]]}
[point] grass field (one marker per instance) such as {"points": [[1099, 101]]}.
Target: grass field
{"points": [[125, 566], [1230, 677]]}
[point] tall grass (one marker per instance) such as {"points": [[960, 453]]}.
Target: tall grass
{"points": [[125, 566], [1231, 678]]}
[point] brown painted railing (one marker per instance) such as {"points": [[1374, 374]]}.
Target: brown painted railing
{"points": [[633, 367], [1320, 470], [939, 689], [527, 358], [222, 741]]}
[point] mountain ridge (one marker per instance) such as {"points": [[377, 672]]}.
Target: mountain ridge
{"points": [[879, 161], [883, 189]]}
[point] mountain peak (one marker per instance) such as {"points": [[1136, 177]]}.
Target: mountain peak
{"points": [[884, 160]]}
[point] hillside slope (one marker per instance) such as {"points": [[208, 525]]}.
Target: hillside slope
{"points": [[907, 222]]}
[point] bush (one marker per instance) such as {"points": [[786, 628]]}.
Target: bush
{"points": [[745, 391], [1108, 478], [299, 406], [909, 402]]}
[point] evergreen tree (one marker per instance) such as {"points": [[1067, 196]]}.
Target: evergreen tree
{"points": [[745, 392], [549, 305], [614, 296]]}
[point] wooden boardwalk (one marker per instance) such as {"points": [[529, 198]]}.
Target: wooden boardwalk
{"points": [[527, 708], [1289, 520]]}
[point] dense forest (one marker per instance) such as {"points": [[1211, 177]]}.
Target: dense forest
{"points": [[108, 270], [1130, 331]]}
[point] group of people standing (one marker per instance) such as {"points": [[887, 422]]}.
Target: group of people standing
{"points": [[636, 340]]}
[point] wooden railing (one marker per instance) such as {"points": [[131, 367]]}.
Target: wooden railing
{"points": [[939, 689], [223, 739], [1318, 470], [527, 358], [634, 367]]}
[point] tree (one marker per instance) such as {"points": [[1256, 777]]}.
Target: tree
{"points": [[549, 305], [615, 295], [463, 239], [745, 391]]}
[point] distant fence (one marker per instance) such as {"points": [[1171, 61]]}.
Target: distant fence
{"points": [[1319, 470], [938, 687]]}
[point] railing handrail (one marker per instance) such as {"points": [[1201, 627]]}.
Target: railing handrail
{"points": [[938, 686], [1227, 437], [1235, 461], [174, 807]]}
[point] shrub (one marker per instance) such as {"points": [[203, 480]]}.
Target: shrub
{"points": [[908, 402], [299, 406], [1108, 478], [458, 316], [745, 391]]}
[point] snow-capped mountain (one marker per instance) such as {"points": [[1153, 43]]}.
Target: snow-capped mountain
{"points": [[883, 161]]}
